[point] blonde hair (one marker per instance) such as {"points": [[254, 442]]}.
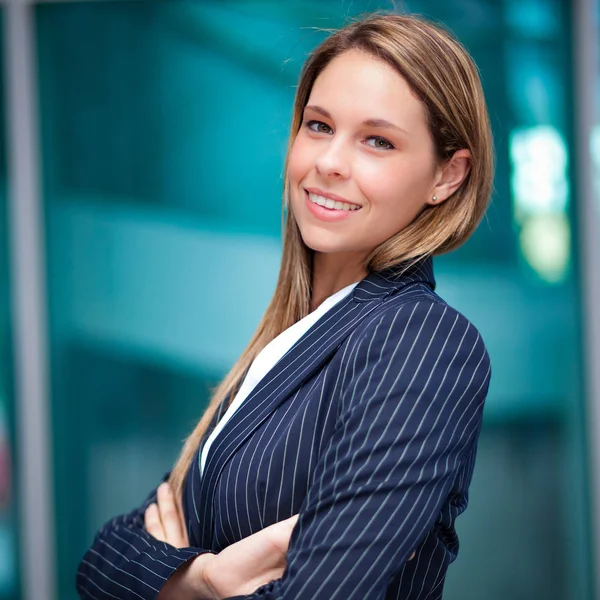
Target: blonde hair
{"points": [[444, 77]]}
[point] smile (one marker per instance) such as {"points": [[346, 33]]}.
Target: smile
{"points": [[328, 209], [331, 204]]}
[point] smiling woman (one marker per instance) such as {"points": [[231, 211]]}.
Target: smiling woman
{"points": [[334, 459]]}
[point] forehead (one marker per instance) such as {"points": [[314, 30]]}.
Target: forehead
{"points": [[358, 85]]}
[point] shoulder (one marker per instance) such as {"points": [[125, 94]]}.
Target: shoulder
{"points": [[419, 314], [415, 340]]}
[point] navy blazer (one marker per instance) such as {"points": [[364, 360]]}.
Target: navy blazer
{"points": [[367, 428]]}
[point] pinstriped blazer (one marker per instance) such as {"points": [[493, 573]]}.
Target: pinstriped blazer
{"points": [[367, 428]]}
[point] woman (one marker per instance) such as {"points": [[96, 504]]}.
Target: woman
{"points": [[348, 427]]}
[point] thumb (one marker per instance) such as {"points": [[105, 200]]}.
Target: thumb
{"points": [[282, 531], [290, 523]]}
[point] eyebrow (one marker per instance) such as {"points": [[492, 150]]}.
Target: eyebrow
{"points": [[367, 122]]}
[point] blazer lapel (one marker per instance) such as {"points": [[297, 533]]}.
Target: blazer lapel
{"points": [[299, 363]]}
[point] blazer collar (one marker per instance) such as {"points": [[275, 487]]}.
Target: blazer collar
{"points": [[381, 284], [300, 362], [375, 286]]}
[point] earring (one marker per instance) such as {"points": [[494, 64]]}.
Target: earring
{"points": [[435, 198]]}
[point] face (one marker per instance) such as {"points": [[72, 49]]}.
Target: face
{"points": [[363, 164]]}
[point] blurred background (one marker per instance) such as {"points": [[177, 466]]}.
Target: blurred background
{"points": [[141, 157]]}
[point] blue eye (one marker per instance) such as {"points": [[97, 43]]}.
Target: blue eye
{"points": [[385, 144], [320, 126]]}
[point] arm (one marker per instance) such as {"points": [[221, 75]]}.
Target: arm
{"points": [[128, 563], [410, 407]]}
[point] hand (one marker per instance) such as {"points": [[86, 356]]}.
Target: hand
{"points": [[164, 520], [243, 567], [237, 570], [248, 564]]}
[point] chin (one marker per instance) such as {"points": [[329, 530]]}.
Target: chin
{"points": [[327, 244]]}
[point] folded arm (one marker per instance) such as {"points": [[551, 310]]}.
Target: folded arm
{"points": [[128, 563]]}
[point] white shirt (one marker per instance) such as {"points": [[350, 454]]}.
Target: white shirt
{"points": [[268, 357]]}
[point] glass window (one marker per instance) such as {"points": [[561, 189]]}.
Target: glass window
{"points": [[164, 132]]}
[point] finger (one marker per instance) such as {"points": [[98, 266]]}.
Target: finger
{"points": [[153, 524], [279, 533], [291, 522], [169, 516], [413, 555]]}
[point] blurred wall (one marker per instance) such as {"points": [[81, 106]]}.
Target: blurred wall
{"points": [[163, 129]]}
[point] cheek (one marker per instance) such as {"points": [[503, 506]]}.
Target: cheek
{"points": [[396, 196], [382, 185], [400, 184], [299, 161]]}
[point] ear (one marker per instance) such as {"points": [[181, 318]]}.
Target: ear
{"points": [[450, 176]]}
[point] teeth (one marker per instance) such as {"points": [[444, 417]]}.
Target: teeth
{"points": [[329, 203]]}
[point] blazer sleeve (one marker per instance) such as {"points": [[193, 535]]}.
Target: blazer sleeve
{"points": [[126, 562], [410, 411]]}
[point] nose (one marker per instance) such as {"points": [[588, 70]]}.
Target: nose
{"points": [[334, 160]]}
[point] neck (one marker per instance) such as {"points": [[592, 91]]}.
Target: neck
{"points": [[332, 272]]}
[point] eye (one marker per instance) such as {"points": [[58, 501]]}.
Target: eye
{"points": [[380, 143], [318, 126]]}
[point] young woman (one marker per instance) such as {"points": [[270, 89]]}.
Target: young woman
{"points": [[335, 457]]}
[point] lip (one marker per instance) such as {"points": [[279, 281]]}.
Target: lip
{"points": [[327, 214], [334, 197]]}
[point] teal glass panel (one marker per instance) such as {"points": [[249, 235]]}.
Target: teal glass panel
{"points": [[164, 129], [8, 499]]}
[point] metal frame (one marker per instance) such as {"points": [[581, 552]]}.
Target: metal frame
{"points": [[36, 498], [587, 71]]}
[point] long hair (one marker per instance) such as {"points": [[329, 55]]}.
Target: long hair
{"points": [[444, 77]]}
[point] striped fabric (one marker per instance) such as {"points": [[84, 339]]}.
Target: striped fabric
{"points": [[367, 428]]}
